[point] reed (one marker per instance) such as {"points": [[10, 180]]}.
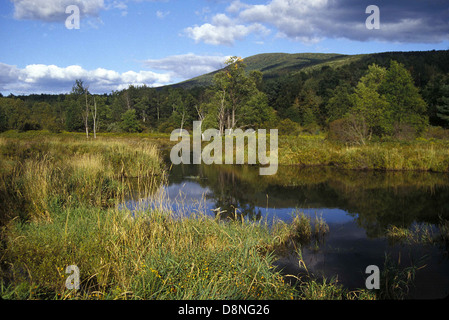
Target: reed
{"points": [[419, 155]]}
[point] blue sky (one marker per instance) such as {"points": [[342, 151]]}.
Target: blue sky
{"points": [[123, 42]]}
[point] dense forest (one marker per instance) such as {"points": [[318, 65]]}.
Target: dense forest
{"points": [[355, 99]]}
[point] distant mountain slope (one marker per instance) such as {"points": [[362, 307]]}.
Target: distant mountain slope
{"points": [[273, 65], [422, 64]]}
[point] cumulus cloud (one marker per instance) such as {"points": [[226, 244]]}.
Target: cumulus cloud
{"points": [[223, 31], [54, 10], [310, 21], [187, 66], [40, 78]]}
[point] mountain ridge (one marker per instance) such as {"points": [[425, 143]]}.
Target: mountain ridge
{"points": [[278, 64]]}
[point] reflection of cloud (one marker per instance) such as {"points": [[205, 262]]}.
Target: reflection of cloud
{"points": [[54, 79]]}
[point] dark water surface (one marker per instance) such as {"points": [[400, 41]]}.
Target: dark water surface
{"points": [[358, 206]]}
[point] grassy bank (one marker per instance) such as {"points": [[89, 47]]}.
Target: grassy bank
{"points": [[420, 154]]}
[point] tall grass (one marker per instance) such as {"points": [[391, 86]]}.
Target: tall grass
{"points": [[419, 155], [37, 174]]}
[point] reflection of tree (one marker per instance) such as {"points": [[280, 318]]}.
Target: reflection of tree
{"points": [[375, 199], [233, 196]]}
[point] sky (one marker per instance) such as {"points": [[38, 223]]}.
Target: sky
{"points": [[154, 43]]}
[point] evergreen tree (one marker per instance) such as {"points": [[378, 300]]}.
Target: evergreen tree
{"points": [[3, 119], [443, 106]]}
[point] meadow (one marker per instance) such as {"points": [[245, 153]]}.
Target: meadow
{"points": [[60, 197]]}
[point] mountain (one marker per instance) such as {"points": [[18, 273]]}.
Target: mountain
{"points": [[274, 65], [281, 65]]}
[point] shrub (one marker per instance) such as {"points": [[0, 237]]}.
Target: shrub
{"points": [[436, 133], [340, 131], [288, 127]]}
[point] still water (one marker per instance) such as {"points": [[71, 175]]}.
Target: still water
{"points": [[358, 206]]}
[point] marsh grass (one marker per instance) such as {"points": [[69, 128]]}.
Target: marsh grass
{"points": [[395, 280], [419, 155], [424, 234], [150, 256], [65, 171]]}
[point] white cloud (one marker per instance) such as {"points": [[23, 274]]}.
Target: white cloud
{"points": [[40, 78], [310, 21], [299, 20], [236, 6], [162, 14], [223, 31], [187, 66], [54, 10]]}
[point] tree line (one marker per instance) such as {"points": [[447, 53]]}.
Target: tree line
{"points": [[380, 95]]}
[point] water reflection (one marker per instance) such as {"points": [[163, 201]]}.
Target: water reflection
{"points": [[374, 199], [357, 205]]}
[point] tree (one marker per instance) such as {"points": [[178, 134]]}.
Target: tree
{"points": [[3, 119], [443, 106], [407, 105], [370, 114], [80, 92], [239, 102], [307, 104], [372, 109], [340, 103], [16, 112], [129, 121], [94, 118]]}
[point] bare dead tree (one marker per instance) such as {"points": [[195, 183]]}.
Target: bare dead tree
{"points": [[221, 113], [358, 129], [86, 115], [94, 117]]}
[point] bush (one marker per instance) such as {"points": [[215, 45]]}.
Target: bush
{"points": [[28, 125], [129, 121], [404, 132], [339, 131], [288, 127], [436, 133]]}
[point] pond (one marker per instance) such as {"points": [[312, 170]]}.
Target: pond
{"points": [[358, 206]]}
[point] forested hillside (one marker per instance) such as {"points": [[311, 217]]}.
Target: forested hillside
{"points": [[355, 97]]}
